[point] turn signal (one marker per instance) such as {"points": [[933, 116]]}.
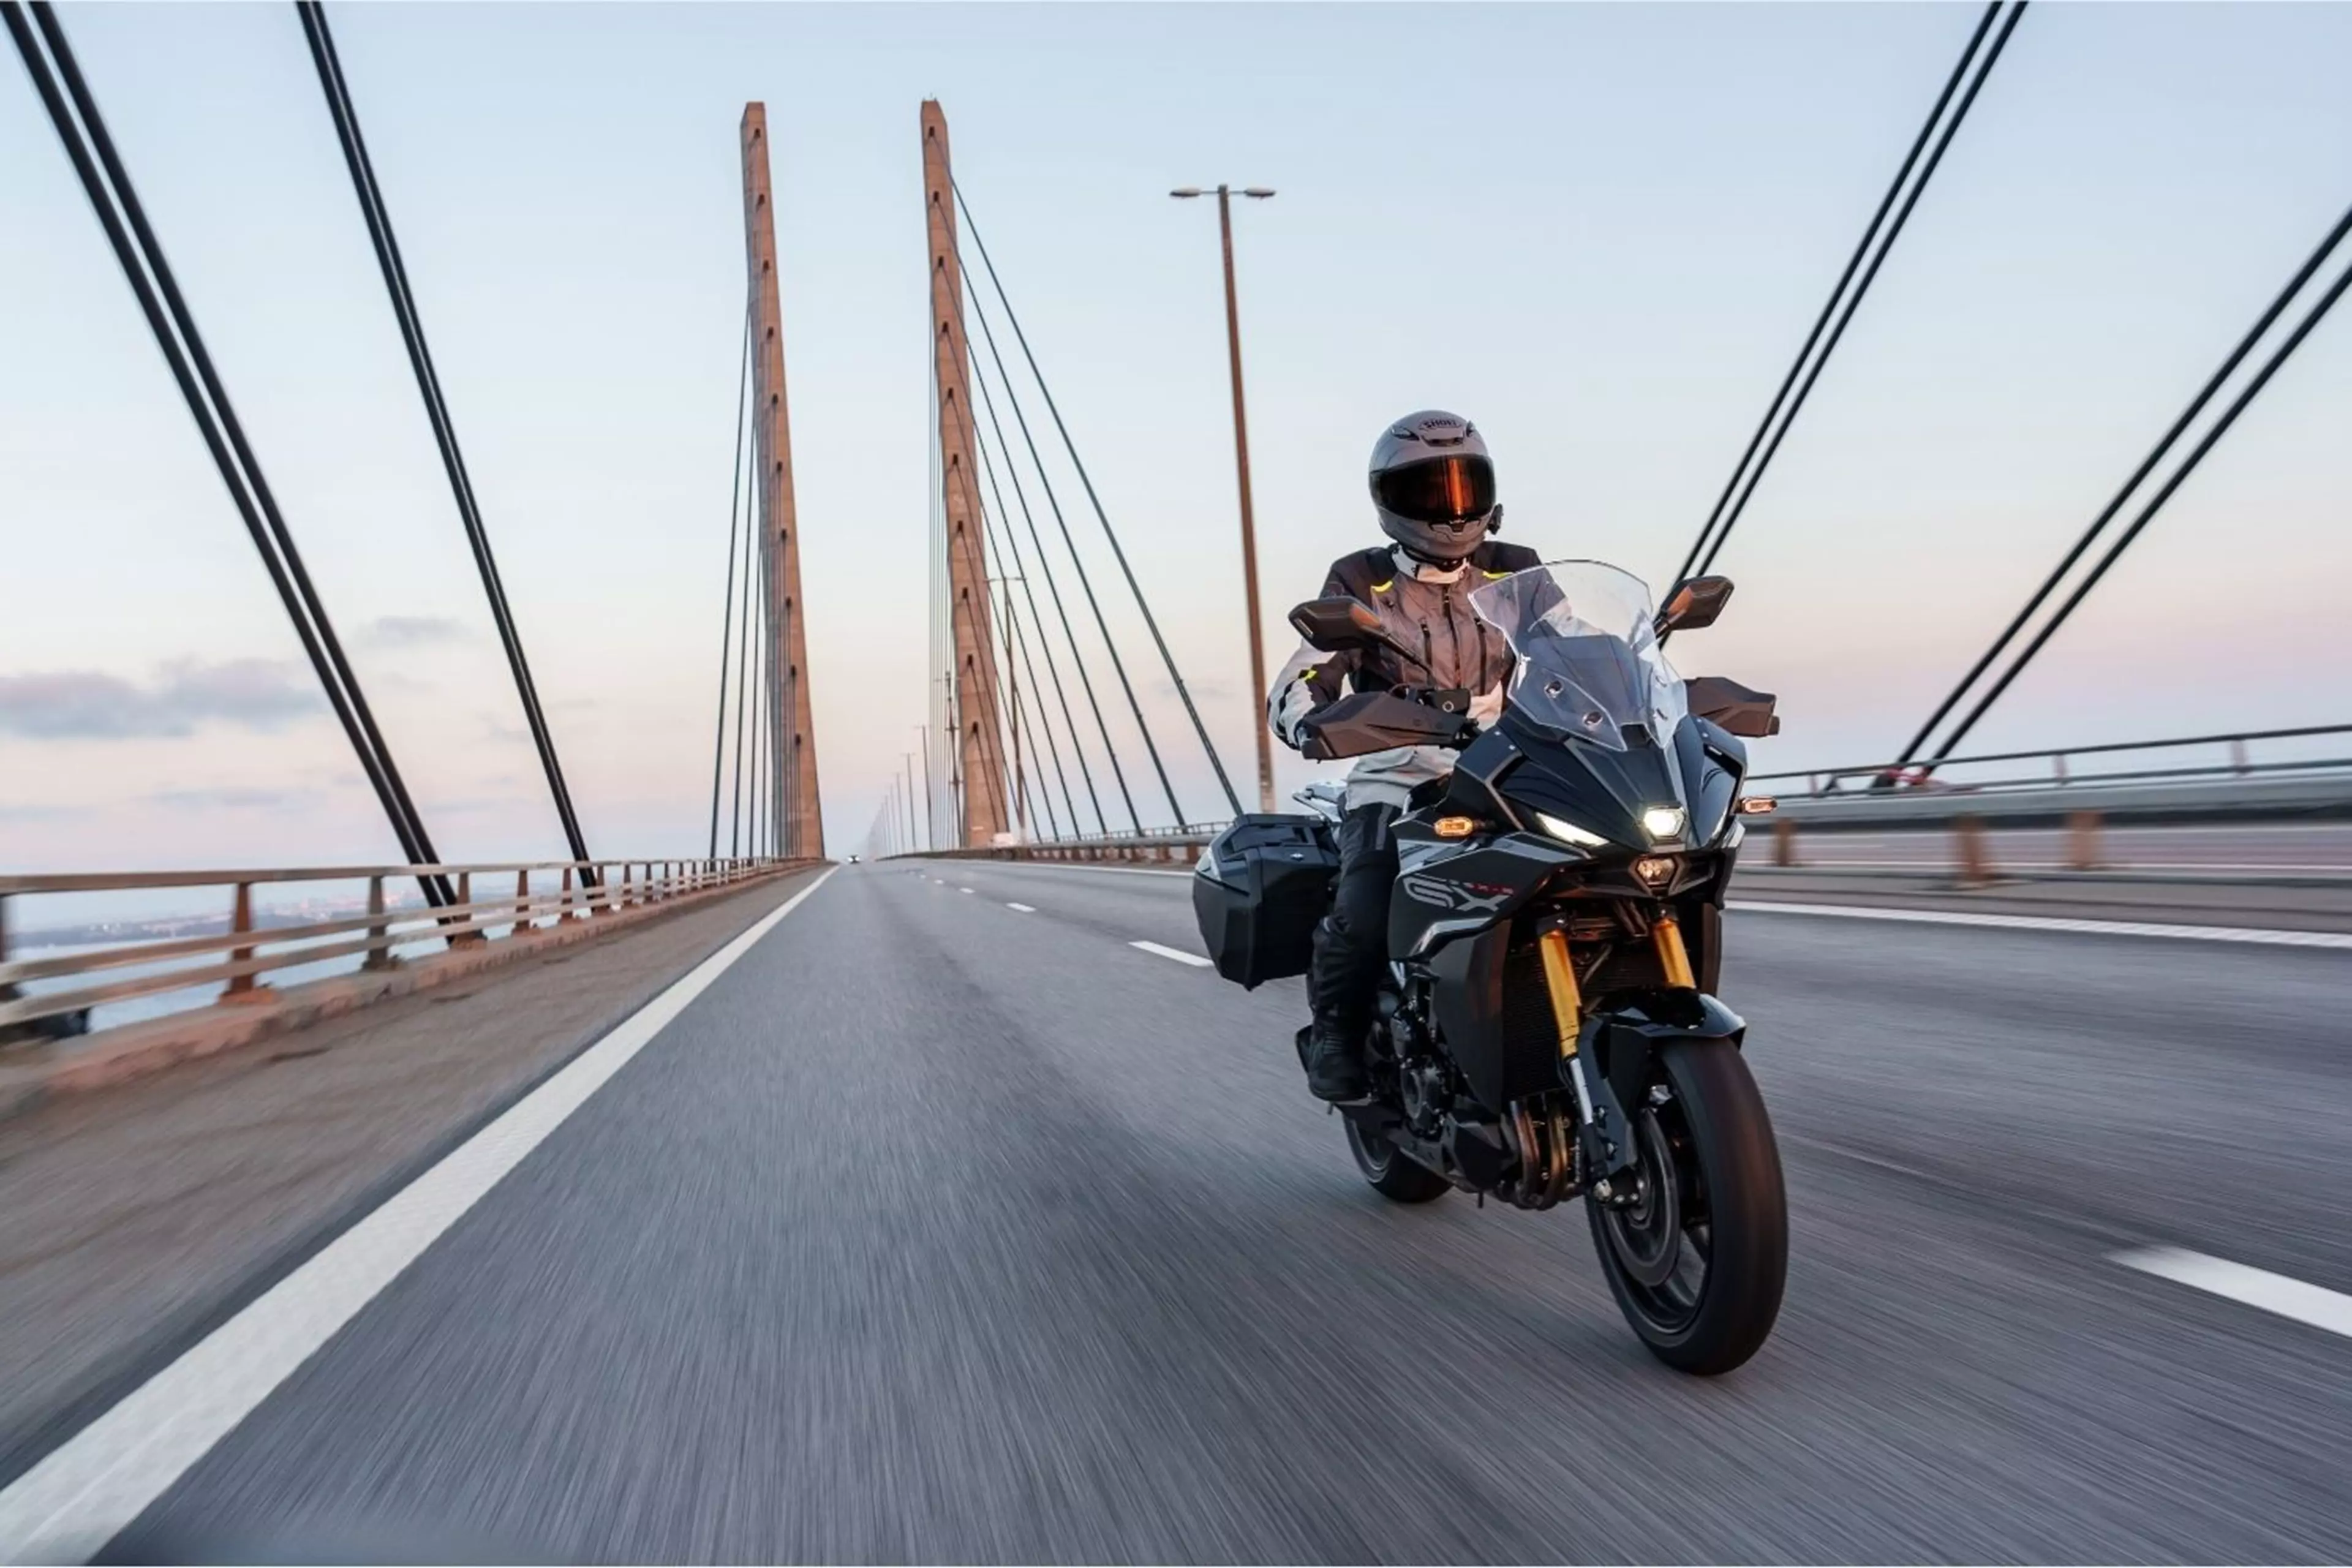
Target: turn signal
{"points": [[1756, 805], [1453, 827]]}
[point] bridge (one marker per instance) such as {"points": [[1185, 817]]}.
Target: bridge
{"points": [[730, 1200]]}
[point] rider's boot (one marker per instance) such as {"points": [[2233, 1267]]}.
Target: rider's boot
{"points": [[1335, 1061]]}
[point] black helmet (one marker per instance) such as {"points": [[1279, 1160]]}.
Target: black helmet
{"points": [[1434, 484]]}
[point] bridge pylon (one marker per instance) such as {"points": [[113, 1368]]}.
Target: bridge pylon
{"points": [[979, 762], [793, 801]]}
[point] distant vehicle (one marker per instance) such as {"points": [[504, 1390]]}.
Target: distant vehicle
{"points": [[853, 859]]}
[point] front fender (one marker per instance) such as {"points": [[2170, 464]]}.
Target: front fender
{"points": [[1624, 1028]]}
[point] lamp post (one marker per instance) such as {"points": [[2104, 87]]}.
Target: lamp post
{"points": [[1241, 463]]}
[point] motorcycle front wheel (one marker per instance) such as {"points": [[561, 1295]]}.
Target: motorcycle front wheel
{"points": [[1698, 1257]]}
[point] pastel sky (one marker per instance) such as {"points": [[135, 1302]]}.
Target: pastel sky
{"points": [[1600, 230]]}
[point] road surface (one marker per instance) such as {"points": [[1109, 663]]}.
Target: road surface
{"points": [[962, 1218]]}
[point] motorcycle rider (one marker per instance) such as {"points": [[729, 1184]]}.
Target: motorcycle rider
{"points": [[1433, 488]]}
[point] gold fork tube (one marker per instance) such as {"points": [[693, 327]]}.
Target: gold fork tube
{"points": [[1559, 979], [1673, 959]]}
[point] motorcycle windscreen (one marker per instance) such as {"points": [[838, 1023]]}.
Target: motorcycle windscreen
{"points": [[1589, 667]]}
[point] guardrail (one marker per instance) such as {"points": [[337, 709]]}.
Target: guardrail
{"points": [[243, 950], [1882, 780]]}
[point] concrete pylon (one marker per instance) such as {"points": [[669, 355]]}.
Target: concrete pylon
{"points": [[794, 802], [979, 746]]}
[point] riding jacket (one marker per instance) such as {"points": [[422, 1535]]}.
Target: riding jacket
{"points": [[1425, 608]]}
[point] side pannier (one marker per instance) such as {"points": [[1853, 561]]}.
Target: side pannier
{"points": [[1258, 892]]}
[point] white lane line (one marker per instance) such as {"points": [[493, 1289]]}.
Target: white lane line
{"points": [[1024, 909], [1178, 954], [1102, 870], [2338, 941], [963, 889], [2321, 1308], [68, 1506]]}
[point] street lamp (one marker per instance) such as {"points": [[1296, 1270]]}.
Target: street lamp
{"points": [[1241, 463]]}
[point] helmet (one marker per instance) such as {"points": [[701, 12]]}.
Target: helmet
{"points": [[1434, 487]]}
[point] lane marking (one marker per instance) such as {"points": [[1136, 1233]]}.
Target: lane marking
{"points": [[1093, 870], [2321, 1308], [963, 889], [68, 1506], [1025, 909], [1178, 954], [2335, 941]]}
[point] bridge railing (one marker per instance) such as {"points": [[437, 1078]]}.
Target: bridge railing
{"points": [[51, 979], [2053, 769]]}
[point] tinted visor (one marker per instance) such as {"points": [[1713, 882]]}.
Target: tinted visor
{"points": [[1442, 490]]}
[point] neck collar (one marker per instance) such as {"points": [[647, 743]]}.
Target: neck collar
{"points": [[1423, 571]]}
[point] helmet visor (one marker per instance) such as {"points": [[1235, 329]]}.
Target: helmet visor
{"points": [[1442, 490]]}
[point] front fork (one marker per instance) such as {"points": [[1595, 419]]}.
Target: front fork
{"points": [[1604, 1130]]}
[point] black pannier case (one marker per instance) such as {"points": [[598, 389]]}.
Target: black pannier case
{"points": [[1258, 892]]}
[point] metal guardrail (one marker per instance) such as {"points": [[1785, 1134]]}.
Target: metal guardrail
{"points": [[1882, 780], [246, 951]]}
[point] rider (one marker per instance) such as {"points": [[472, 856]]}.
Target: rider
{"points": [[1433, 485]]}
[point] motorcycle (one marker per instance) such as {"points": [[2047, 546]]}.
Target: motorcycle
{"points": [[1547, 1030]]}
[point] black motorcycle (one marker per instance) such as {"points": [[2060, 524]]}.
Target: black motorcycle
{"points": [[1548, 1028]]}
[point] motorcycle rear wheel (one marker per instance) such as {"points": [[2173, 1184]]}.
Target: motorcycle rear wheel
{"points": [[1699, 1262], [1393, 1174]]}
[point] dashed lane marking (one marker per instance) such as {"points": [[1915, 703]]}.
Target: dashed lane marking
{"points": [[1178, 954], [78, 1498], [2312, 1304], [1024, 909]]}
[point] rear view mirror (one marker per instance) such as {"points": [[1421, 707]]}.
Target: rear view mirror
{"points": [[1695, 604], [1337, 624]]}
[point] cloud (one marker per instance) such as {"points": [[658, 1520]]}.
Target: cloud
{"points": [[234, 797], [259, 694], [414, 631]]}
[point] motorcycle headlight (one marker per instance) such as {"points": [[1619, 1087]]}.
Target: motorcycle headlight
{"points": [[1567, 832], [1664, 822]]}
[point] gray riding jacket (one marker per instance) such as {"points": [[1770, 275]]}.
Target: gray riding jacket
{"points": [[1426, 608]]}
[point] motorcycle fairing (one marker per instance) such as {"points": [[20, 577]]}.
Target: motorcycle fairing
{"points": [[1446, 890]]}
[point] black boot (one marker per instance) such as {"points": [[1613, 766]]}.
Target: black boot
{"points": [[1335, 1062]]}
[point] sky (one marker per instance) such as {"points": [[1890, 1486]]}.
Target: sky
{"points": [[1599, 230]]}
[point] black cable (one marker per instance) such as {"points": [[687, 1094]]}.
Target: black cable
{"points": [[224, 435], [1704, 553], [1167, 659], [1086, 583], [989, 676], [1829, 306], [420, 359], [1021, 656], [1027, 787], [2164, 493], [987, 467], [2197, 405], [1053, 589], [742, 671], [727, 614]]}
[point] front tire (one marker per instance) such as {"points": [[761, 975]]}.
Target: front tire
{"points": [[1699, 1262], [1393, 1174]]}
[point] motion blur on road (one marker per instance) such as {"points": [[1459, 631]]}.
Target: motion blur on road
{"points": [[963, 1218]]}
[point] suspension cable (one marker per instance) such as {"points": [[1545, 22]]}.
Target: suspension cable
{"points": [[1086, 583], [2164, 493], [428, 382], [1061, 612], [1150, 624], [116, 202], [1021, 649], [1029, 788], [1841, 306], [990, 675], [2189, 416], [727, 614], [742, 659]]}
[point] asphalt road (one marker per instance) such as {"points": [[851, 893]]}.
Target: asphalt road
{"points": [[941, 1229]]}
